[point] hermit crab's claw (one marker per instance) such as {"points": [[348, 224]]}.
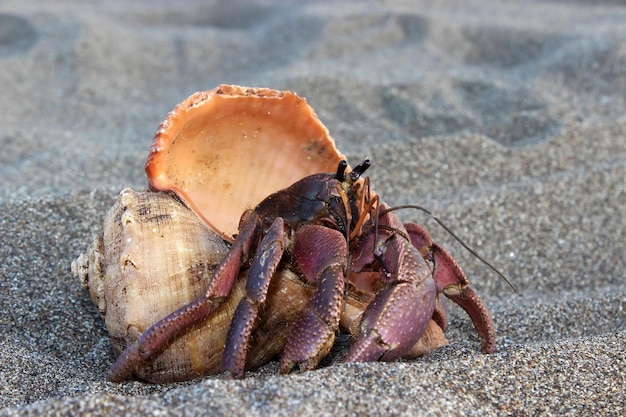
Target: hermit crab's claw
{"points": [[451, 281], [401, 312], [394, 322]]}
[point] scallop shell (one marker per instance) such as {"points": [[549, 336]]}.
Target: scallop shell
{"points": [[223, 151], [155, 256]]}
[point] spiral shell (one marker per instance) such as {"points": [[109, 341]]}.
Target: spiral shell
{"points": [[222, 152], [155, 256]]}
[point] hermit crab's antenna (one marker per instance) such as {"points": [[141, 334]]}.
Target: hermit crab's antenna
{"points": [[458, 239]]}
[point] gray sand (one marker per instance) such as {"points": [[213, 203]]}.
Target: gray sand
{"points": [[509, 122]]}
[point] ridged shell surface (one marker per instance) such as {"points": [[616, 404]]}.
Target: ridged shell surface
{"points": [[154, 257], [224, 150]]}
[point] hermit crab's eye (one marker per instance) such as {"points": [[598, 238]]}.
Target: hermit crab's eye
{"points": [[341, 170], [360, 169]]}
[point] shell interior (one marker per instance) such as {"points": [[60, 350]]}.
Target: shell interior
{"points": [[223, 151]]}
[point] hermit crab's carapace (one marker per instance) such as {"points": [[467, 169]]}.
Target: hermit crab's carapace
{"points": [[223, 151]]}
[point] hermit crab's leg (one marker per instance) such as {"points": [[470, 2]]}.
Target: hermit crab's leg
{"points": [[156, 337], [451, 280], [321, 254], [265, 262], [401, 312]]}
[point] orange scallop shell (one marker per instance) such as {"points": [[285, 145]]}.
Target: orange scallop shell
{"points": [[223, 151]]}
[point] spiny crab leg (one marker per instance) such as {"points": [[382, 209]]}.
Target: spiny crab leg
{"points": [[451, 281], [220, 286], [321, 254], [266, 261]]}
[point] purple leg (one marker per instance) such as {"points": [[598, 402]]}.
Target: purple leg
{"points": [[321, 254], [449, 276], [220, 286], [266, 261], [451, 280]]}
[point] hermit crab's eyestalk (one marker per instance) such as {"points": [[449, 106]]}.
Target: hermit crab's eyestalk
{"points": [[359, 170], [341, 170]]}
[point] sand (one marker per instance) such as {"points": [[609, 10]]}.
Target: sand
{"points": [[509, 122]]}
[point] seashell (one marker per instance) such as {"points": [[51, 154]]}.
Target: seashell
{"points": [[152, 253], [222, 152], [155, 256], [225, 150]]}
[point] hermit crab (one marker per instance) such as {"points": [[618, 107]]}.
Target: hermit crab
{"points": [[284, 243]]}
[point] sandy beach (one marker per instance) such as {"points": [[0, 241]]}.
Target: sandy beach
{"points": [[508, 122]]}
